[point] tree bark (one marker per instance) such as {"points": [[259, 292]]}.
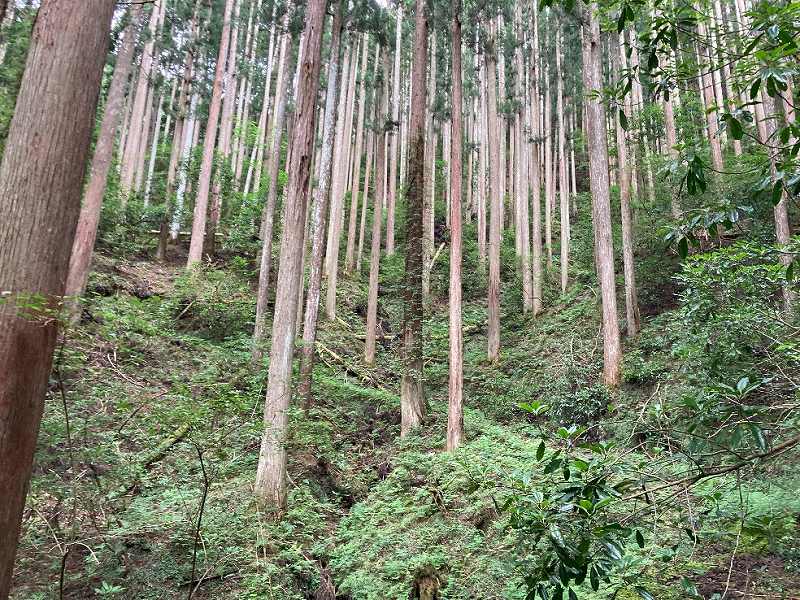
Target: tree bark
{"points": [[535, 172], [391, 198], [320, 209], [455, 411], [41, 179], [134, 140], [356, 185], [624, 175], [270, 487], [496, 203], [601, 200], [377, 213], [412, 397], [86, 233], [562, 169], [209, 143], [268, 217], [337, 192]]}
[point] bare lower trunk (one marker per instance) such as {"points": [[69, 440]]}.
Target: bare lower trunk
{"points": [[86, 233], [337, 192], [320, 212], [391, 198], [496, 206], [455, 411], [601, 201], [624, 174], [783, 231], [562, 171], [210, 142], [270, 487], [412, 396], [377, 217], [536, 232], [133, 141], [268, 217], [41, 179], [356, 188]]}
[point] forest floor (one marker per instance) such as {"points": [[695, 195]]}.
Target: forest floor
{"points": [[154, 420]]}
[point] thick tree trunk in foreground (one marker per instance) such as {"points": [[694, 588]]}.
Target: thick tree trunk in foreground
{"points": [[86, 233], [41, 179], [601, 201], [210, 142], [455, 411], [412, 397], [270, 486], [319, 212]]}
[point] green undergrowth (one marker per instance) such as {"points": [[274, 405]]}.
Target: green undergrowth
{"points": [[159, 389]]}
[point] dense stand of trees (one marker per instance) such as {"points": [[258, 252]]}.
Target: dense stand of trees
{"points": [[221, 116]]}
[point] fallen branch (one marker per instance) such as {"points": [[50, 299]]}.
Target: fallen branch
{"points": [[349, 368]]}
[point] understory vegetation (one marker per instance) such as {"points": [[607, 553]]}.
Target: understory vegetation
{"points": [[143, 480]]}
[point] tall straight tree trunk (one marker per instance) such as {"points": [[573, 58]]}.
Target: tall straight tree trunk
{"points": [[412, 395], [337, 191], [268, 216], [86, 233], [783, 231], [320, 208], [371, 143], [429, 199], [253, 169], [535, 171], [708, 94], [601, 196], [393, 145], [130, 153], [176, 156], [151, 162], [143, 141], [549, 187], [377, 213], [455, 411], [210, 142], [521, 171], [41, 179], [270, 485], [225, 131], [483, 161], [562, 168], [624, 175], [495, 202], [356, 189]]}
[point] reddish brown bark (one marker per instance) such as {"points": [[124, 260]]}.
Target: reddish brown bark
{"points": [[86, 233], [41, 179], [204, 182]]}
